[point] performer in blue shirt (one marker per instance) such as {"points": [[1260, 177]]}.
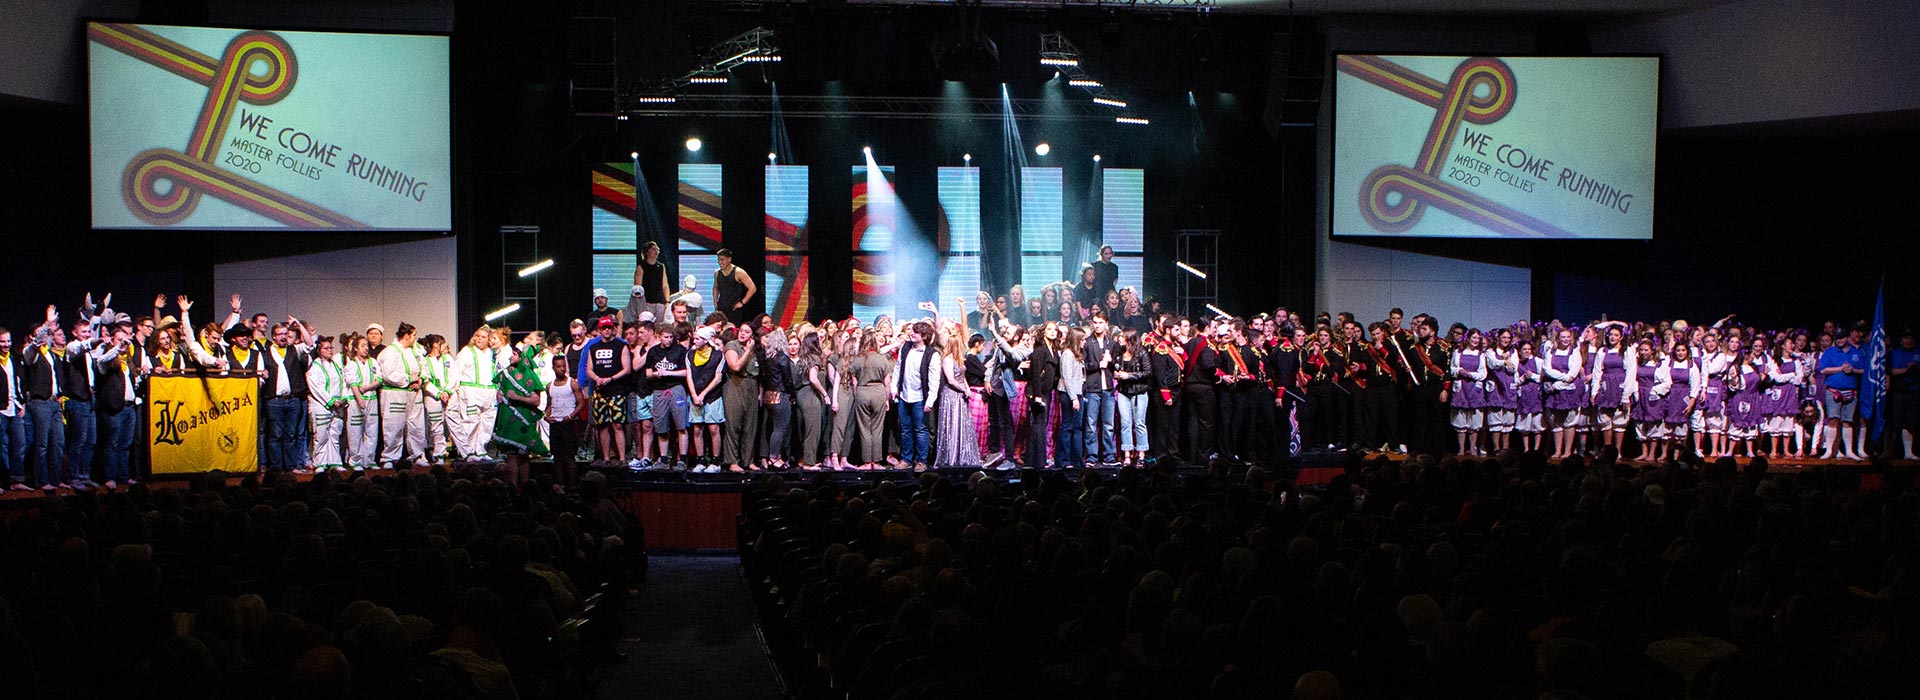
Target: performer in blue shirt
{"points": [[1842, 365], [1903, 394]]}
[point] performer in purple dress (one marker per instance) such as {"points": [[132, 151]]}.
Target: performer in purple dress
{"points": [[1608, 383], [1503, 363], [1469, 391], [1649, 427], [1683, 392], [1803, 434], [1529, 401], [1780, 402], [1566, 394], [1743, 400]]}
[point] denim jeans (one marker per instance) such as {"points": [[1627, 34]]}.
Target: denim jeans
{"points": [[916, 443], [13, 447], [302, 435], [49, 442], [117, 431], [1070, 443], [1098, 407], [1133, 422], [82, 434], [283, 434]]}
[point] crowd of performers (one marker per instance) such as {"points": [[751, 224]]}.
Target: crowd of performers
{"points": [[1103, 380], [1651, 389]]}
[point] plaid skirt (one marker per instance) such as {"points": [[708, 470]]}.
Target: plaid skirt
{"points": [[1018, 406], [977, 406]]}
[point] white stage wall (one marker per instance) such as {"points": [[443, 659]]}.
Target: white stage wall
{"points": [[345, 290]]}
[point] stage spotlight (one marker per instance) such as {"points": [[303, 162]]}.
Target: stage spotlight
{"points": [[1216, 310], [1083, 83], [1130, 120], [708, 80], [502, 312], [771, 158], [620, 117], [1096, 157], [1110, 102], [535, 268], [866, 151], [1190, 269], [967, 157], [1042, 149], [634, 155], [693, 145]]}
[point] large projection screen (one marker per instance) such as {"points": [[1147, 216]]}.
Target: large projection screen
{"points": [[205, 128], [1494, 147]]}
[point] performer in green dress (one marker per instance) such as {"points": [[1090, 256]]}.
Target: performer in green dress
{"points": [[517, 426]]}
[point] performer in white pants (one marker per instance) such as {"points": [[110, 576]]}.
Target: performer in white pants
{"points": [[470, 417], [403, 420], [363, 384], [326, 407], [436, 376]]}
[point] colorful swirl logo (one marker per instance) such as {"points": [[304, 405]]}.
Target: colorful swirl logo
{"points": [[1480, 91], [162, 186]]}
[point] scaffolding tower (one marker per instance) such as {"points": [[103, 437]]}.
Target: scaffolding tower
{"points": [[1197, 264]]}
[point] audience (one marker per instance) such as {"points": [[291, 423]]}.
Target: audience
{"points": [[1505, 577], [430, 585]]}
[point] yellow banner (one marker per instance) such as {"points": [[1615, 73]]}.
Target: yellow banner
{"points": [[202, 423]]}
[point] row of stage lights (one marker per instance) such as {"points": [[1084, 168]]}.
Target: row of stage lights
{"points": [[1063, 57], [1056, 53], [694, 145], [668, 99]]}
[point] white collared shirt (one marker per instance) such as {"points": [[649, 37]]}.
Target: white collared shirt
{"points": [[9, 384], [282, 386]]}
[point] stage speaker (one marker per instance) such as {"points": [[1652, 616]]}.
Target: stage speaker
{"points": [[593, 75], [1296, 75]]}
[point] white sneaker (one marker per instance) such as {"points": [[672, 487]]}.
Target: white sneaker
{"points": [[636, 463], [358, 468]]}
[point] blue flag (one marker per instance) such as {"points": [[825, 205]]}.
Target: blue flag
{"points": [[1873, 393]]}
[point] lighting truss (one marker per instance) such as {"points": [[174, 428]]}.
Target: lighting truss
{"points": [[837, 106], [751, 47], [1063, 56]]}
